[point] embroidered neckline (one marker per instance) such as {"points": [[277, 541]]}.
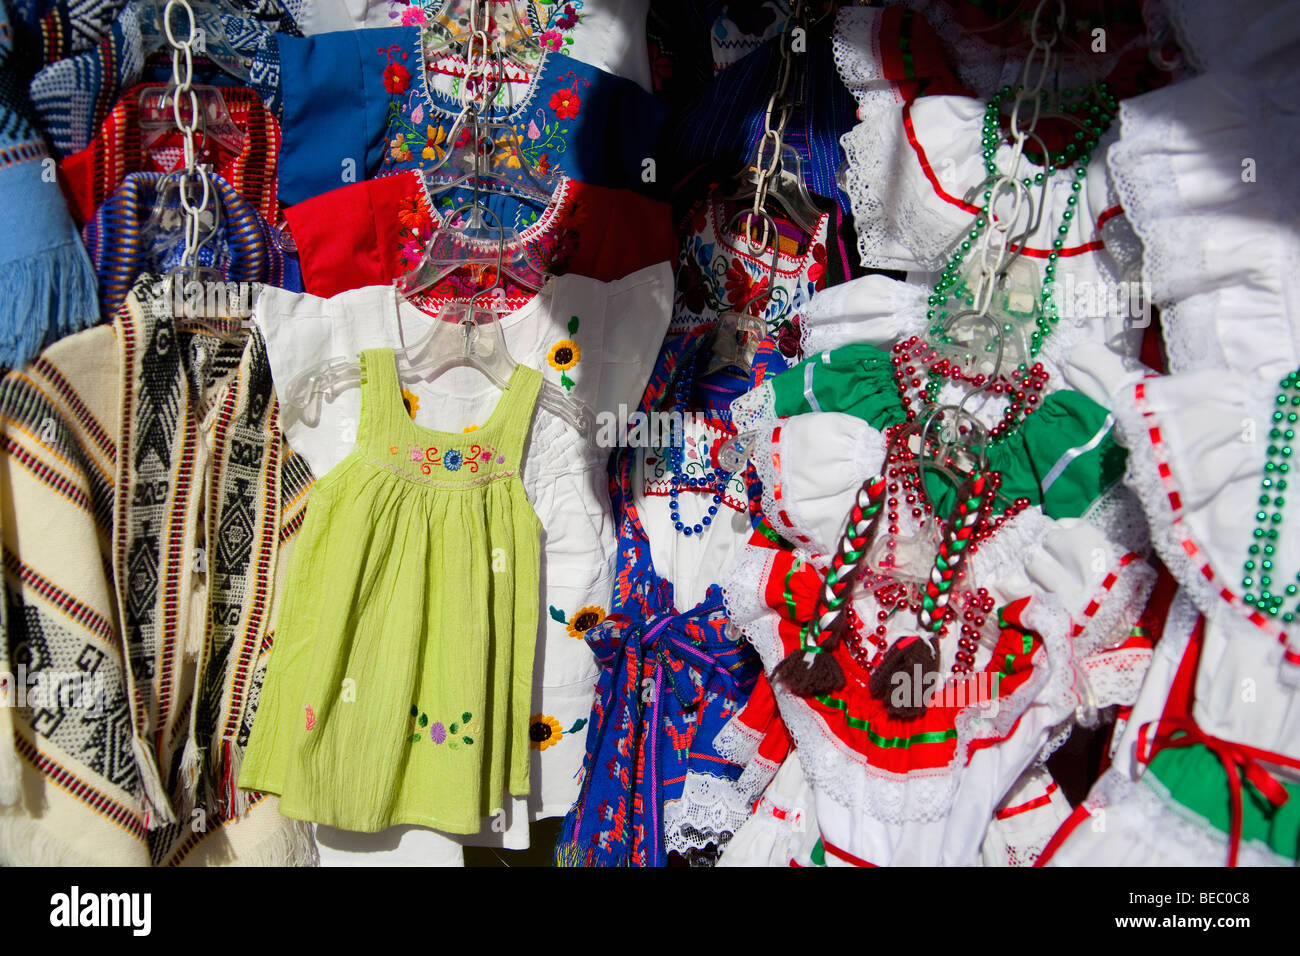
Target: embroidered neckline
{"points": [[535, 232], [786, 265], [434, 98]]}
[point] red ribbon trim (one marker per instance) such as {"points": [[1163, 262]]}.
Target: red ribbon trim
{"points": [[1237, 760]]}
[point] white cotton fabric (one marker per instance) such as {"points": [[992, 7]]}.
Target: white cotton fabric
{"points": [[824, 457], [782, 831], [1019, 840], [620, 326]]}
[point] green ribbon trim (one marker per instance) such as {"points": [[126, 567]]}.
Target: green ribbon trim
{"points": [[905, 45], [926, 737], [785, 589], [775, 538]]}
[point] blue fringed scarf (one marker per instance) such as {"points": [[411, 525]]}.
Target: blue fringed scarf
{"points": [[47, 287]]}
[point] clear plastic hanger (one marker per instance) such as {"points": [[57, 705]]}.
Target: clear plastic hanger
{"points": [[462, 335], [202, 300], [453, 21], [737, 334], [197, 291], [208, 20], [786, 189], [500, 164], [156, 116], [467, 241]]}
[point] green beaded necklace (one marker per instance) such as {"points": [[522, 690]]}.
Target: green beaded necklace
{"points": [[1268, 519], [1098, 108]]}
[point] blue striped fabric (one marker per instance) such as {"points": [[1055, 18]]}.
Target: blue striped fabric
{"points": [[122, 246], [726, 121]]}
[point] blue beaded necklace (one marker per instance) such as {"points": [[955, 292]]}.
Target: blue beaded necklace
{"points": [[715, 479]]}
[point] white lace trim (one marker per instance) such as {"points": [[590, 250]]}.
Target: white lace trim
{"points": [[985, 67], [1143, 176], [1255, 37], [710, 810], [755, 409], [1116, 676], [738, 742], [1019, 840], [763, 456], [874, 309], [1220, 261], [1119, 609], [1118, 514]]}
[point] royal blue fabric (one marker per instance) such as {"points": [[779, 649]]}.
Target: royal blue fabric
{"points": [[725, 122], [339, 127]]}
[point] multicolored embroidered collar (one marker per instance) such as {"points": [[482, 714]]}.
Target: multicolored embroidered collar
{"points": [[716, 273]]}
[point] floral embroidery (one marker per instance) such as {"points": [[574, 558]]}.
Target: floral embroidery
{"points": [[397, 78], [469, 428], [568, 17], [585, 620], [713, 277], [566, 103], [453, 459], [817, 271], [545, 731], [455, 734], [551, 40], [411, 401], [743, 290], [414, 214], [311, 718], [565, 354], [433, 148], [398, 149], [413, 16], [582, 622]]}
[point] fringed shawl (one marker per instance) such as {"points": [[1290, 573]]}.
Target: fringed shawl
{"points": [[149, 505]]}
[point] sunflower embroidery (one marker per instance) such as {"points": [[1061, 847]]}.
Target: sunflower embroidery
{"points": [[544, 731], [469, 428], [585, 620], [411, 401], [565, 354]]}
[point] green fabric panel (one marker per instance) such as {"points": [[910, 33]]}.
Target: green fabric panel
{"points": [[858, 380], [1195, 777]]}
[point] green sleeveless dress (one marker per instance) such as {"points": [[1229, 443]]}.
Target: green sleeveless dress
{"points": [[400, 679]]}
